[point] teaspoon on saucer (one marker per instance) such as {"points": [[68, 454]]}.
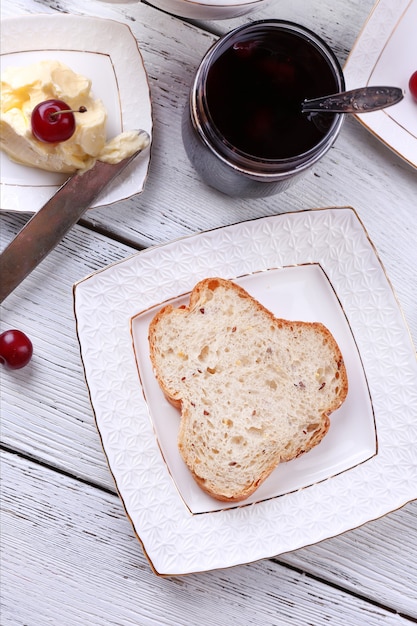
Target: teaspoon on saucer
{"points": [[362, 100]]}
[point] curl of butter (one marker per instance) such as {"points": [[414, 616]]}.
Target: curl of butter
{"points": [[24, 87]]}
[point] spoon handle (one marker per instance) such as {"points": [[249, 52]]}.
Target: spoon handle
{"points": [[362, 100]]}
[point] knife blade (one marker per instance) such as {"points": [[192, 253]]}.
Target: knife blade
{"points": [[49, 225]]}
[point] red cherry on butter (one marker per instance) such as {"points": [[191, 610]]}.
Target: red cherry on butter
{"points": [[52, 121], [412, 84], [16, 349]]}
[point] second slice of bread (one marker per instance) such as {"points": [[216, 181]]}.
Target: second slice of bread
{"points": [[253, 390]]}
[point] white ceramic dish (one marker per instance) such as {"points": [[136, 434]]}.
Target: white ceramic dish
{"points": [[209, 9], [106, 52], [314, 265], [386, 54]]}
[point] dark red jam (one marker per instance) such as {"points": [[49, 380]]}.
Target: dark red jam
{"points": [[255, 89]]}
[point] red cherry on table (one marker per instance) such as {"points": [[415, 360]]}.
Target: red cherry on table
{"points": [[412, 84], [53, 121], [16, 349]]}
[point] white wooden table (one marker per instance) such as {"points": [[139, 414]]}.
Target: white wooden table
{"points": [[69, 554]]}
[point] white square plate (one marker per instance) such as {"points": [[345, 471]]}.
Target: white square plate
{"points": [[322, 264], [303, 293], [104, 51], [385, 53]]}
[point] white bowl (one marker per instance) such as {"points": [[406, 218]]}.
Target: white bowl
{"points": [[209, 9]]}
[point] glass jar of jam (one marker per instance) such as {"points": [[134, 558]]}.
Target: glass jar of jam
{"points": [[243, 128]]}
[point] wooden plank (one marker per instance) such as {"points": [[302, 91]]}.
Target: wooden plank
{"points": [[74, 540], [337, 23], [46, 411], [367, 560]]}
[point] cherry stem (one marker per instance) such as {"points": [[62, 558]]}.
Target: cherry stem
{"points": [[82, 109]]}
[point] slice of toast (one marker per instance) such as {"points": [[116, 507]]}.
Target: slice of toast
{"points": [[253, 390]]}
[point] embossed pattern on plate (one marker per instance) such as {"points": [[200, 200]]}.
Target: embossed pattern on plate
{"points": [[175, 541]]}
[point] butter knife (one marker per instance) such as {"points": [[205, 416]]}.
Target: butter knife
{"points": [[49, 225]]}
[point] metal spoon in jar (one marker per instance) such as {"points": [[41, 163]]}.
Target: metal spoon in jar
{"points": [[362, 100]]}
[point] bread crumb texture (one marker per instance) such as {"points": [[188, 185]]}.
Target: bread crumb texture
{"points": [[253, 390]]}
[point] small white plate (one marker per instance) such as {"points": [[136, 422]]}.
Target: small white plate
{"points": [[106, 52], [385, 53], [314, 265]]}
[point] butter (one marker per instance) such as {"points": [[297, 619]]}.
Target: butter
{"points": [[123, 146], [22, 88]]}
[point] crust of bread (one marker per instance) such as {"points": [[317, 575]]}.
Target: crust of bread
{"points": [[193, 350]]}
